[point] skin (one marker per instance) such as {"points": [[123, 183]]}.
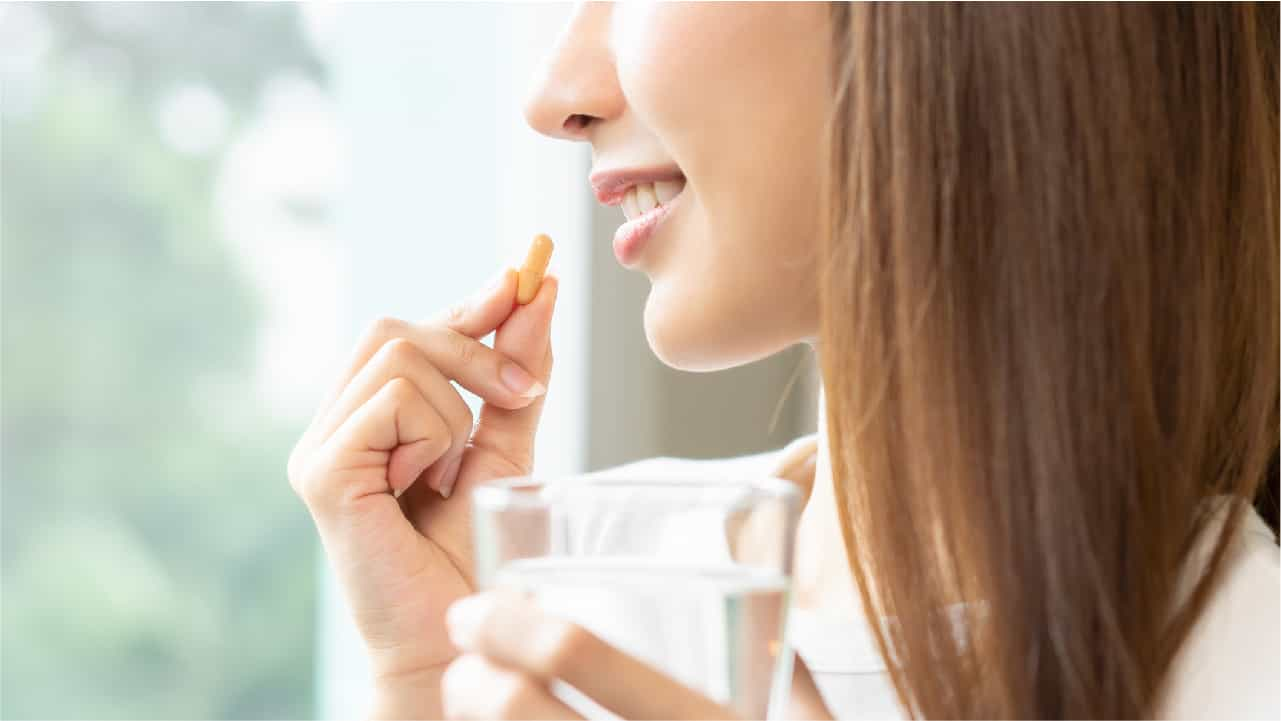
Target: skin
{"points": [[736, 95]]}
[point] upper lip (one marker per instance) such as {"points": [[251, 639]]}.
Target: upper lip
{"points": [[612, 185]]}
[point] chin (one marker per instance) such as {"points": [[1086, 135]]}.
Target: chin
{"points": [[694, 342], [684, 355]]}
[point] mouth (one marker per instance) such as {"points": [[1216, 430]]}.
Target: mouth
{"points": [[638, 190], [646, 196]]}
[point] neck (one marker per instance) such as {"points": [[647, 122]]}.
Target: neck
{"points": [[822, 577]]}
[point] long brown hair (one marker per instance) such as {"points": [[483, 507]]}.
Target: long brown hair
{"points": [[1049, 335]]}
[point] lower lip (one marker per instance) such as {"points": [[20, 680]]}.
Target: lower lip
{"points": [[630, 238]]}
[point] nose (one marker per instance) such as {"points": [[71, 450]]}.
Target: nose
{"points": [[577, 86]]}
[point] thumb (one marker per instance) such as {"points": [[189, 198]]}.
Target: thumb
{"points": [[524, 337]]}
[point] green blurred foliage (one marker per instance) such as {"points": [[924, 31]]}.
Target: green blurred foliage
{"points": [[155, 563]]}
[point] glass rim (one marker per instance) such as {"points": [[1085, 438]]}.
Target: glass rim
{"points": [[507, 491]]}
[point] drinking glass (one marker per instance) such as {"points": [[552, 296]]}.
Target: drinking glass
{"points": [[692, 577]]}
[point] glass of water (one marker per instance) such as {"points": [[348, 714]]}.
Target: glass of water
{"points": [[690, 577]]}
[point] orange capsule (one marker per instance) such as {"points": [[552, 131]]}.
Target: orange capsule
{"points": [[531, 273]]}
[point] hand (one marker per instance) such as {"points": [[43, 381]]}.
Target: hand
{"points": [[388, 446], [512, 651]]}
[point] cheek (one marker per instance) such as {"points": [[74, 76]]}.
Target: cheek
{"points": [[671, 74], [737, 95], [694, 72]]}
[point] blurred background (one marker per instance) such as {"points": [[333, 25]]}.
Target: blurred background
{"points": [[201, 205]]}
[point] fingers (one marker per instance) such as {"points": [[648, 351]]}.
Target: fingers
{"points": [[796, 462], [399, 358], [351, 484], [475, 688], [512, 631], [490, 374], [525, 337], [398, 427], [451, 344], [429, 356], [485, 311]]}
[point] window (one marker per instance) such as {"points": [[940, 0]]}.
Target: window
{"points": [[155, 563], [201, 206]]}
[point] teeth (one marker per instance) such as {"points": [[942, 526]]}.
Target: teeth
{"points": [[645, 197], [665, 190], [630, 210], [640, 199]]}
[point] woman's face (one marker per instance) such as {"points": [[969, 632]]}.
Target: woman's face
{"points": [[710, 115]]}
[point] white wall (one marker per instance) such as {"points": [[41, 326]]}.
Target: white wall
{"points": [[445, 183]]}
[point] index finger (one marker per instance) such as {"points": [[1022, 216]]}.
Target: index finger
{"points": [[474, 318], [482, 313]]}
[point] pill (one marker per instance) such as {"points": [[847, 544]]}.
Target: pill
{"points": [[531, 273]]}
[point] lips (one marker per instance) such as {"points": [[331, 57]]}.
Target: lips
{"points": [[647, 196], [611, 185], [631, 237]]}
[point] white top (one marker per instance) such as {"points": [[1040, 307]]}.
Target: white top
{"points": [[1228, 667]]}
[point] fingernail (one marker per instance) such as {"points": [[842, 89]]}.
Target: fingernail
{"points": [[464, 619], [520, 381], [450, 477]]}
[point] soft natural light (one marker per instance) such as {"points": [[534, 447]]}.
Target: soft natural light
{"points": [[202, 206]]}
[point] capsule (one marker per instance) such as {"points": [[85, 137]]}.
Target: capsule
{"points": [[531, 273]]}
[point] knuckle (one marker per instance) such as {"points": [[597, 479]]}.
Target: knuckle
{"points": [[295, 483], [398, 351], [456, 314], [296, 467], [385, 327], [301, 483], [401, 389], [316, 481], [464, 348]]}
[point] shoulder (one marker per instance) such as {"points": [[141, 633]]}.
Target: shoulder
{"points": [[768, 463], [607, 526], [1229, 664]]}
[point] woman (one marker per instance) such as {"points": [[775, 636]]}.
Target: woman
{"points": [[1036, 251]]}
